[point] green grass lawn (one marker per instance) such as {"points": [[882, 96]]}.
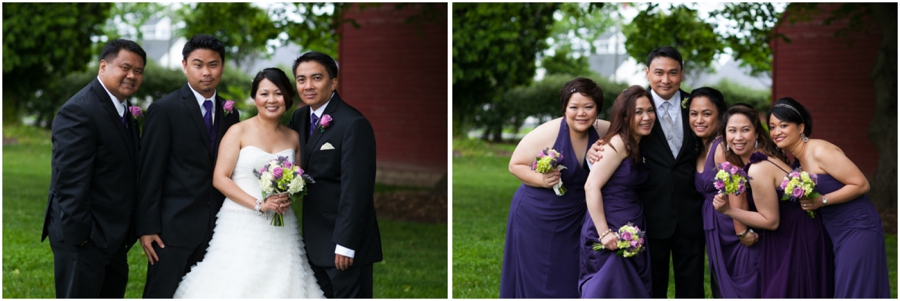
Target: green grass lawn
{"points": [[415, 254], [482, 191]]}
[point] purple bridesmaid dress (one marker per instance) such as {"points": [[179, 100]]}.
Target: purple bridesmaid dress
{"points": [[796, 259], [541, 255], [860, 259], [603, 273], [735, 267]]}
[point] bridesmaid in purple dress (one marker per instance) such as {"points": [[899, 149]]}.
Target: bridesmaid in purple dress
{"points": [[540, 259], [796, 258], [730, 245], [612, 201], [860, 259]]}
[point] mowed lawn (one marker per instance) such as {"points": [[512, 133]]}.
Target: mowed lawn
{"points": [[482, 191], [415, 254]]}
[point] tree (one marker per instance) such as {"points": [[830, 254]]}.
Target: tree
{"points": [[60, 32], [133, 15], [243, 28], [494, 49], [682, 29]]}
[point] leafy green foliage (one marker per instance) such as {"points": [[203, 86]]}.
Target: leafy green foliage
{"points": [[133, 15], [579, 25], [494, 49], [682, 29], [755, 24], [64, 44]]}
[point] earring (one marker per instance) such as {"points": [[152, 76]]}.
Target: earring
{"points": [[804, 138], [727, 149], [756, 144]]}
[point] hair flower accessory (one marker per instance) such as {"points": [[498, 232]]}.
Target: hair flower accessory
{"points": [[229, 107], [136, 112], [324, 122]]}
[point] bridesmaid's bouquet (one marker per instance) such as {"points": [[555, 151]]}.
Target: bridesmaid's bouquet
{"points": [[281, 176], [799, 184], [547, 160], [730, 179], [631, 241]]}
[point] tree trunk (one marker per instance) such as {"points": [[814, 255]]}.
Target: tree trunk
{"points": [[883, 129]]}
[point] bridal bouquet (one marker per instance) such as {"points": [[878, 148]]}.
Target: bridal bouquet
{"points": [[799, 184], [547, 160], [730, 179], [281, 176], [631, 241]]}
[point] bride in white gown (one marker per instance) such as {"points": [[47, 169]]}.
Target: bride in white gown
{"points": [[248, 257]]}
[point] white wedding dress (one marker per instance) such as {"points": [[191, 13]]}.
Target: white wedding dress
{"points": [[248, 257]]}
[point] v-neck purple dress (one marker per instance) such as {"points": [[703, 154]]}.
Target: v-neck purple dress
{"points": [[734, 266], [604, 274], [541, 255]]}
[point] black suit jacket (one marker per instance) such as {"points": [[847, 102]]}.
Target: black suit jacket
{"points": [[339, 207], [176, 198], [669, 196], [93, 184]]}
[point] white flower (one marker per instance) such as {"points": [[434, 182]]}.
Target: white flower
{"points": [[297, 185], [265, 183]]}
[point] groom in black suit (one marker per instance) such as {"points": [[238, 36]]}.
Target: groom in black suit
{"points": [[93, 186], [338, 150], [177, 206], [671, 203]]}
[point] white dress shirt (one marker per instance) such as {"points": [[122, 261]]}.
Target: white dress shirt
{"points": [[119, 104]]}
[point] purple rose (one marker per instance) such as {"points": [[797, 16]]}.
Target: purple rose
{"points": [[264, 169], [325, 121], [277, 172], [726, 165], [288, 164], [634, 243], [229, 106], [719, 185], [734, 170], [814, 178], [795, 174], [136, 111], [299, 171], [784, 184], [641, 241], [798, 192], [626, 236]]}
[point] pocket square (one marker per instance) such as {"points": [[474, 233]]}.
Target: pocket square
{"points": [[327, 146]]}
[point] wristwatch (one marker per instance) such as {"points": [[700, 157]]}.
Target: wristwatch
{"points": [[748, 231], [824, 200]]}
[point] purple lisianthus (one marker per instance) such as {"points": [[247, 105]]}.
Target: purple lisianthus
{"points": [[798, 192], [277, 172], [136, 111], [228, 106], [626, 236]]}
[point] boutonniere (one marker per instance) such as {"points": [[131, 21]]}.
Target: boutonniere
{"points": [[136, 112], [324, 122], [229, 107], [684, 103]]}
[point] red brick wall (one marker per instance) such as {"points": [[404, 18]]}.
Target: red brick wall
{"points": [[830, 76], [396, 75]]}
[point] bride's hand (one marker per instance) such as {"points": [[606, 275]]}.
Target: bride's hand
{"points": [[276, 203]]}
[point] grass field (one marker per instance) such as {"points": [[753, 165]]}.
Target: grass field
{"points": [[482, 191], [415, 255]]}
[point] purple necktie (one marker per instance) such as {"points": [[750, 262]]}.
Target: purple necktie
{"points": [[207, 119], [312, 123]]}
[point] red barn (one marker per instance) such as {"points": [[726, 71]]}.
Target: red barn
{"points": [[393, 68], [830, 76]]}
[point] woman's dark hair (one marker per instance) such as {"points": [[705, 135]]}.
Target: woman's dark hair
{"points": [[620, 117], [203, 41], [717, 99], [582, 85], [788, 109], [280, 79], [766, 145]]}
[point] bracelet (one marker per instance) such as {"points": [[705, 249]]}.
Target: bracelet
{"points": [[258, 205], [745, 233], [824, 200], [604, 234]]}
